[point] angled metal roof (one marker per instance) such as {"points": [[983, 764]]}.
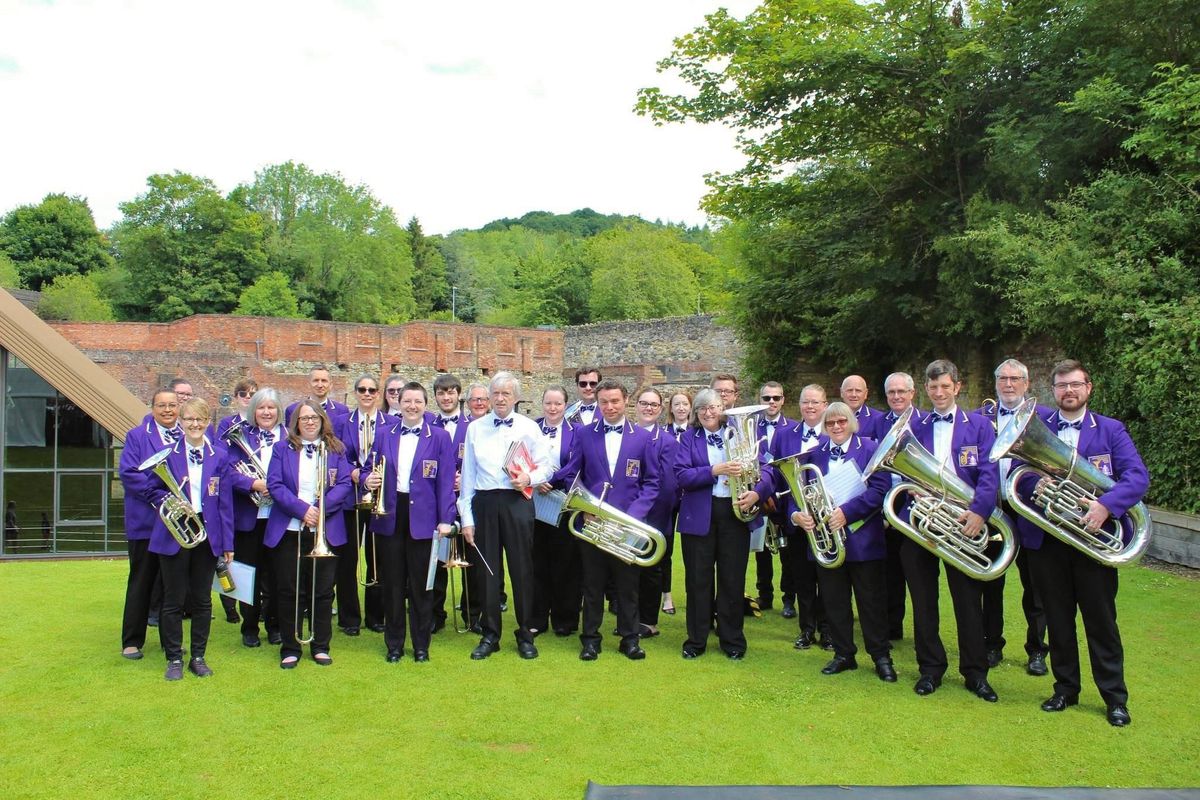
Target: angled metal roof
{"points": [[68, 370]]}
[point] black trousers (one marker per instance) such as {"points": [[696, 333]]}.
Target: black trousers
{"points": [[557, 578], [372, 608], [292, 593], [867, 580], [666, 566], [921, 570], [187, 580], [404, 568], [143, 573], [248, 548], [504, 523], [346, 579], [1070, 580], [764, 572], [599, 568], [896, 588], [725, 550], [810, 606], [1031, 606]]}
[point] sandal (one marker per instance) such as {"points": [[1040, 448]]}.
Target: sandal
{"points": [[322, 659], [668, 606], [289, 662]]}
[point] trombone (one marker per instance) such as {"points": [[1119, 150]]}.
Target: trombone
{"points": [[320, 550], [373, 500]]}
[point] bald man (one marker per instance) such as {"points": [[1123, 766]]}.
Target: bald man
{"points": [[871, 422]]}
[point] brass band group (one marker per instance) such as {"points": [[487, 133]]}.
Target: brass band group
{"points": [[419, 500]]}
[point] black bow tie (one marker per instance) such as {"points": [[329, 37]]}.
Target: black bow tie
{"points": [[498, 422], [836, 452], [195, 455], [613, 428], [591, 407], [444, 421], [309, 449], [268, 437], [716, 440], [414, 431], [175, 434], [1077, 424], [550, 430], [811, 433], [942, 417], [1006, 412], [768, 423]]}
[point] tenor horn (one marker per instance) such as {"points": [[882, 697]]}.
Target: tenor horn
{"points": [[175, 510], [235, 436], [741, 447], [807, 486], [939, 498], [1066, 487]]}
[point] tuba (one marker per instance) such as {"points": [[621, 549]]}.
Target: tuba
{"points": [[828, 544], [611, 530], [940, 497], [741, 447], [175, 510], [1068, 485], [235, 436]]}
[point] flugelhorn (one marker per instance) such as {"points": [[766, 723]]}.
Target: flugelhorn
{"points": [[828, 544], [175, 510], [235, 436], [1066, 487], [741, 447], [939, 498], [609, 528]]}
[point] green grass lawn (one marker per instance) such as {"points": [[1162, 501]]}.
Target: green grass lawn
{"points": [[76, 720]]}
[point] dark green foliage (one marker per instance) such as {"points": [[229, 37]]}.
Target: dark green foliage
{"points": [[58, 236]]}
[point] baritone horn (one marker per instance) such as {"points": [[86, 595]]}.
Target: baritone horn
{"points": [[939, 498], [175, 510], [320, 547], [741, 447], [608, 528], [1067, 486], [807, 485]]}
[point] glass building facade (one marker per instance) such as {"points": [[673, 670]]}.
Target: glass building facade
{"points": [[61, 490]]}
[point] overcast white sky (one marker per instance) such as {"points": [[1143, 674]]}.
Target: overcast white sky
{"points": [[457, 112]]}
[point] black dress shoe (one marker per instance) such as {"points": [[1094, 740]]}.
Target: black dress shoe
{"points": [[689, 653], [765, 604], [475, 627], [1037, 664], [994, 657], [503, 606], [484, 649], [589, 653], [1059, 702], [839, 664], [350, 630], [789, 610], [886, 670], [563, 632], [152, 622], [1118, 715], [735, 655], [983, 690], [826, 643], [274, 637], [926, 685], [527, 650], [633, 651], [803, 641], [420, 656], [251, 640], [379, 627], [439, 625], [394, 655], [232, 616]]}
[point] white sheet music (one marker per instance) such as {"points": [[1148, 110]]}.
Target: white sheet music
{"points": [[243, 582], [548, 507], [844, 481]]}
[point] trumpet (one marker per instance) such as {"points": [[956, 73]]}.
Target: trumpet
{"points": [[1066, 488], [828, 544], [235, 436], [741, 447], [175, 510], [320, 548], [940, 497]]}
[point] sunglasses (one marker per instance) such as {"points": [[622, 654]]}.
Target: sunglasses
{"points": [[244, 394], [366, 390], [393, 392], [772, 398], [588, 384]]}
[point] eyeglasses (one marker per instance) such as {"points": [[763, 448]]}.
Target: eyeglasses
{"points": [[899, 392], [648, 404], [310, 418], [588, 384], [836, 423], [772, 398], [1009, 379], [812, 402], [478, 400], [244, 394], [165, 406], [192, 420], [366, 390], [1074, 386], [725, 392]]}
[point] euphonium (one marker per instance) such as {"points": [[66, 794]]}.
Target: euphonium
{"points": [[610, 529], [741, 447], [1069, 485], [828, 544], [235, 435], [175, 510], [320, 546], [939, 498]]}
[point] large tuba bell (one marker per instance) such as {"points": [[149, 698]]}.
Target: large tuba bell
{"points": [[175, 510], [235, 436], [1068, 487], [940, 497], [828, 544], [741, 447], [609, 528]]}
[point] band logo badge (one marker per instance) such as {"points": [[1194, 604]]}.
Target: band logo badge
{"points": [[332, 476], [1103, 463], [214, 486], [633, 468], [462, 449], [968, 456], [429, 468]]}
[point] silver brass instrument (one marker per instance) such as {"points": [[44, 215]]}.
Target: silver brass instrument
{"points": [[940, 497], [235, 436], [610, 529], [456, 562], [373, 500], [1068, 486], [807, 485], [175, 510], [741, 447], [320, 546], [774, 540]]}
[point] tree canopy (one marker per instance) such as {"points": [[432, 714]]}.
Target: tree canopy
{"points": [[58, 236]]}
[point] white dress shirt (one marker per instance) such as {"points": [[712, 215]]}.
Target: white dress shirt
{"points": [[483, 458], [405, 451], [943, 436], [716, 455], [1070, 435], [306, 488], [195, 476]]}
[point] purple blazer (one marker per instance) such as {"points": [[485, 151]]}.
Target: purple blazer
{"points": [[569, 431], [666, 445], [216, 500], [969, 448], [635, 484], [694, 475], [872, 423], [889, 419], [282, 480], [1105, 443], [431, 499], [866, 542], [245, 513], [141, 513]]}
